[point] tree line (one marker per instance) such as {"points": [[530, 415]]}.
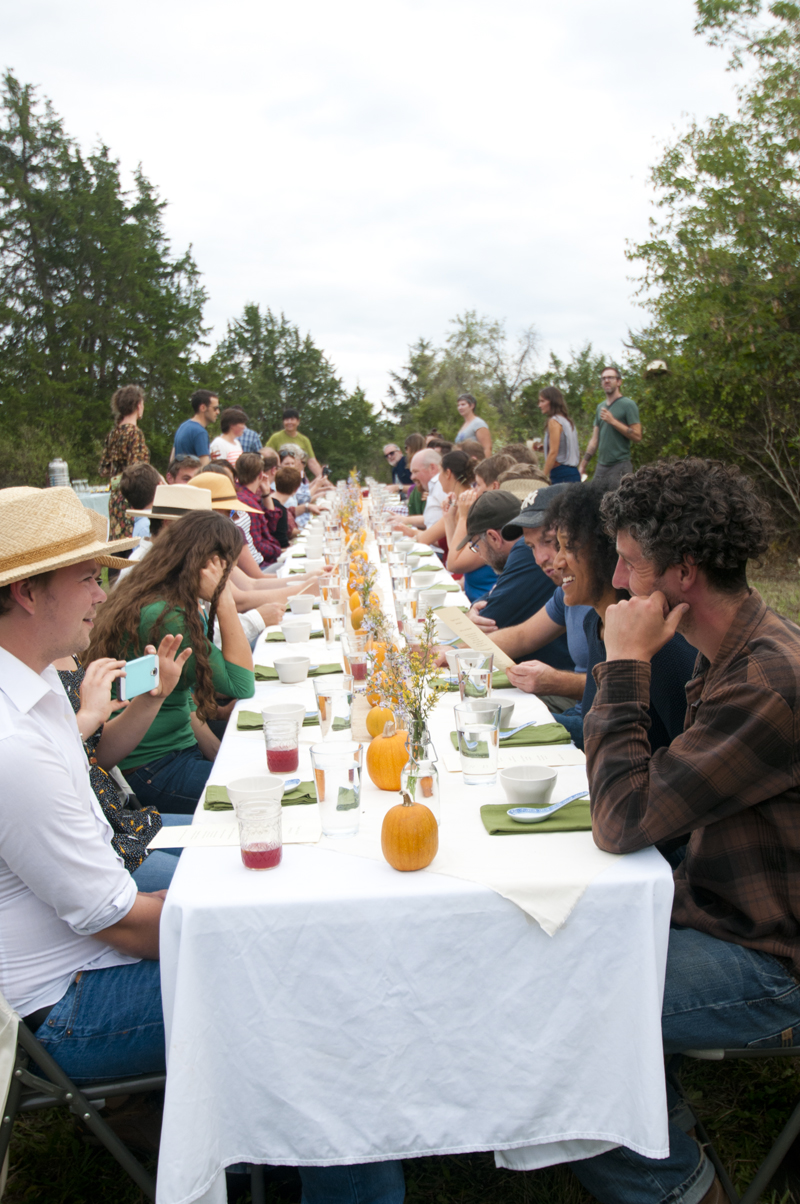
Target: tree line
{"points": [[92, 296]]}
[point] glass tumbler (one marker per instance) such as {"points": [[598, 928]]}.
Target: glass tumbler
{"points": [[257, 803], [338, 770], [474, 673], [282, 736], [334, 703], [478, 743]]}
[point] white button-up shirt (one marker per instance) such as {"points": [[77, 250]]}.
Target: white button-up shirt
{"points": [[60, 879], [433, 507]]}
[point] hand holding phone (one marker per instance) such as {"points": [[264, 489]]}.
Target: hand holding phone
{"points": [[141, 676]]}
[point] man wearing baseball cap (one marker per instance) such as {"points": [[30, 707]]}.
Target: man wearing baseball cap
{"points": [[79, 945], [522, 588]]}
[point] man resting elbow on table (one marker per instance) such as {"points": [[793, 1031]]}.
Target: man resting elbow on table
{"points": [[728, 783], [78, 943]]}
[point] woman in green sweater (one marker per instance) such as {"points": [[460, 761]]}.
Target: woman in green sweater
{"points": [[190, 564]]}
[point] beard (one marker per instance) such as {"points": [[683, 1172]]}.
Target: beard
{"points": [[495, 557]]}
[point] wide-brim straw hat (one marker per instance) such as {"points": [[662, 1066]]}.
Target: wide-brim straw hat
{"points": [[171, 501], [45, 529], [522, 486], [223, 494]]}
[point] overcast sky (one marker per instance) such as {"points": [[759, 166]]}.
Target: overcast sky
{"points": [[374, 169]]}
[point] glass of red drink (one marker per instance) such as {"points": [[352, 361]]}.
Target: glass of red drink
{"points": [[282, 736], [257, 803]]}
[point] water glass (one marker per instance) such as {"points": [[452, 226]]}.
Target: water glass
{"points": [[334, 703], [338, 770], [331, 588], [403, 608], [401, 576], [282, 723], [478, 735], [257, 803], [332, 622], [474, 673]]}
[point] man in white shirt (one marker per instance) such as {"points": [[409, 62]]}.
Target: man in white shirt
{"points": [[425, 467], [79, 945]]}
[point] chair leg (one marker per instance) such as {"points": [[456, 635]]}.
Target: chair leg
{"points": [[82, 1107], [730, 1191], [258, 1189], [775, 1157], [10, 1110]]}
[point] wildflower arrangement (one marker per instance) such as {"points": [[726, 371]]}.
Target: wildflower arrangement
{"points": [[412, 687]]}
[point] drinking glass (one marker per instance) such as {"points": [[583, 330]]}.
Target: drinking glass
{"points": [[401, 576], [330, 588], [403, 608], [478, 742], [257, 804], [332, 622], [338, 770], [334, 703], [282, 735], [354, 654], [474, 673]]}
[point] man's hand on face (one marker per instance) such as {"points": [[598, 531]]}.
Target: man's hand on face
{"points": [[474, 615], [639, 628]]}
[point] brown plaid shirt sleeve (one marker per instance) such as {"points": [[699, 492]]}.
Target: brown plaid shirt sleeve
{"points": [[730, 780]]}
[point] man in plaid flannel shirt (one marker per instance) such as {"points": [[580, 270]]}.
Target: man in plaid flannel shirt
{"points": [[729, 783]]}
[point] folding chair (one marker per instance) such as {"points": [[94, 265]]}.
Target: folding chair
{"points": [[26, 1092], [783, 1142]]}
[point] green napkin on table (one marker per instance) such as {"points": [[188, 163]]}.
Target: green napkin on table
{"points": [[250, 721], [277, 637], [499, 681], [448, 587], [575, 817], [217, 798], [268, 673], [544, 733]]}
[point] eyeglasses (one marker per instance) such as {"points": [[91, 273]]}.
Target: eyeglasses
{"points": [[473, 545]]}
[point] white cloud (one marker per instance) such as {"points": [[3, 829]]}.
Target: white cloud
{"points": [[372, 170]]}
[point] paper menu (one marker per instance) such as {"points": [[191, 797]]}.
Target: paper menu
{"points": [[555, 755], [472, 636]]}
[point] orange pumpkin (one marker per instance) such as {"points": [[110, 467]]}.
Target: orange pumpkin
{"points": [[354, 600], [357, 617], [386, 756], [409, 835], [379, 648], [378, 717]]}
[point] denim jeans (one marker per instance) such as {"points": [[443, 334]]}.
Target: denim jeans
{"points": [[172, 783], [717, 995], [155, 872], [564, 474], [110, 1024]]}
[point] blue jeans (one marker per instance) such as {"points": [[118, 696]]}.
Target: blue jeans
{"points": [[564, 474], [110, 1024], [172, 783], [717, 996], [155, 872]]}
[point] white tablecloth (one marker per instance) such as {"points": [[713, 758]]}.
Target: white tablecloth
{"points": [[333, 1010]]}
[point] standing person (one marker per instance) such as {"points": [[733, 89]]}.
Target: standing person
{"points": [[191, 437], [191, 560], [227, 446], [291, 434], [561, 451], [472, 426], [124, 445], [616, 427]]}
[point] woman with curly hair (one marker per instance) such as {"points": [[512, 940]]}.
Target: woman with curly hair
{"points": [[586, 559], [189, 563], [124, 445]]}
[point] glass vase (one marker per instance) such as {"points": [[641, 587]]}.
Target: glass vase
{"points": [[419, 776]]}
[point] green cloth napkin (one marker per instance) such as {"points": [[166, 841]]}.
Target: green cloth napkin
{"points": [[463, 609], [268, 673], [575, 817], [277, 637], [427, 568], [217, 798], [448, 587], [499, 681], [545, 733], [250, 721]]}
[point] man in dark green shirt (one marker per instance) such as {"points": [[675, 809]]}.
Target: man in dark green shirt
{"points": [[616, 426]]}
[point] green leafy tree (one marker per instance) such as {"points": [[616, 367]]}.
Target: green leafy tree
{"points": [[90, 296], [266, 365], [721, 271]]}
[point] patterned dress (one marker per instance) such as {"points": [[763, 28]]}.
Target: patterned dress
{"points": [[133, 830], [124, 445]]}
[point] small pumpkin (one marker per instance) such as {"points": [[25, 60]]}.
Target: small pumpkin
{"points": [[377, 718], [386, 756], [379, 648], [354, 600], [357, 617], [409, 835]]}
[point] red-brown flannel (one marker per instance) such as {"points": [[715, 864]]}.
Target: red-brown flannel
{"points": [[262, 526], [730, 779]]}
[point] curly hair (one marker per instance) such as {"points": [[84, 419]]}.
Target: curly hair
{"points": [[125, 401], [702, 510], [575, 513], [170, 573]]}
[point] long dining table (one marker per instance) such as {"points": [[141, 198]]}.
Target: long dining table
{"points": [[334, 1011]]}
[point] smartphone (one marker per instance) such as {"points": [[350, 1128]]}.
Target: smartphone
{"points": [[141, 675], [326, 472]]}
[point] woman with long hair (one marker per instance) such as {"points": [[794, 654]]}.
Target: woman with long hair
{"points": [[124, 445], [189, 563], [561, 449], [479, 577]]}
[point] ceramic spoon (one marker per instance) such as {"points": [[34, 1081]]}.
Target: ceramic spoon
{"points": [[533, 815]]}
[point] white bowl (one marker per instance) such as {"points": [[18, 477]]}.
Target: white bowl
{"points": [[296, 631], [312, 565], [302, 604], [422, 578], [405, 545], [430, 599], [506, 708], [528, 785], [412, 561], [284, 710], [452, 663], [292, 669]]}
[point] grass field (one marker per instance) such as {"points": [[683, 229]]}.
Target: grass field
{"points": [[743, 1106]]}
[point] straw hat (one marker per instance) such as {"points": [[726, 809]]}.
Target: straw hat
{"points": [[522, 486], [44, 529], [171, 501], [223, 495]]}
